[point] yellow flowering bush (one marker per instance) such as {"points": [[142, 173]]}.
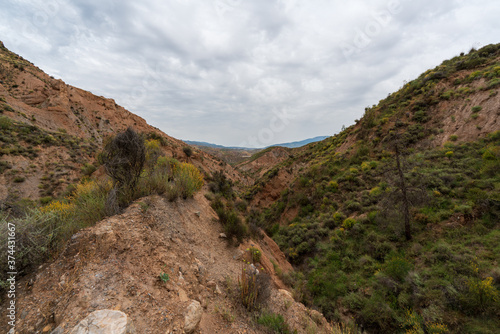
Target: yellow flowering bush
{"points": [[188, 179], [483, 292], [415, 324], [61, 209]]}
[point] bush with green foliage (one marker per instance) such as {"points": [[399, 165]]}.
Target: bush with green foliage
{"points": [[188, 151], [230, 220], [220, 184], [476, 109], [42, 232], [274, 322]]}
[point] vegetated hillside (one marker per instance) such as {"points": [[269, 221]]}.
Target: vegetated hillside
{"points": [[394, 222], [51, 133]]}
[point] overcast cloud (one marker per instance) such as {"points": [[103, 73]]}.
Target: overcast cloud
{"points": [[244, 72]]}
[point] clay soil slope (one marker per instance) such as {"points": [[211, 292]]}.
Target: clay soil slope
{"points": [[117, 265]]}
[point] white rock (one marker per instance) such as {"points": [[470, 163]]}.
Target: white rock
{"points": [[193, 317], [254, 270], [105, 322]]}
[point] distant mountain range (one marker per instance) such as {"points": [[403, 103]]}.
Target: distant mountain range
{"points": [[301, 142], [289, 145]]}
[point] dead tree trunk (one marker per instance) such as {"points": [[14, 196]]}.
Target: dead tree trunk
{"points": [[404, 194]]}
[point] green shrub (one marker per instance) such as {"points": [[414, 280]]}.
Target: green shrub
{"points": [[19, 179], [352, 206], [397, 268], [158, 177], [4, 165], [488, 155], [241, 205], [34, 239], [448, 94], [275, 322], [333, 186], [164, 277], [172, 192], [338, 218], [45, 200], [493, 83], [221, 184], [188, 151], [421, 116], [88, 169], [378, 314], [348, 223], [476, 109], [255, 253], [453, 138], [415, 323], [42, 232], [232, 223], [354, 300], [5, 123], [89, 200], [375, 192], [233, 226]]}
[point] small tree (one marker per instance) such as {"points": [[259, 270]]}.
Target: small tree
{"points": [[403, 188], [405, 192], [123, 159]]}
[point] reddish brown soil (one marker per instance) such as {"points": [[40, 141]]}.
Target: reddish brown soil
{"points": [[116, 265]]}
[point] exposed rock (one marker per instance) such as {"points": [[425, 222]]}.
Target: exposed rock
{"points": [[297, 316], [104, 322], [254, 270], [223, 236], [211, 284], [193, 316], [183, 295], [238, 255], [58, 330]]}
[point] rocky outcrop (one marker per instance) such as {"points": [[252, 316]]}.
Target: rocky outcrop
{"points": [[105, 322], [193, 317]]}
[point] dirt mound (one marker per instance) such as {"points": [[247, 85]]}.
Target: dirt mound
{"points": [[151, 262]]}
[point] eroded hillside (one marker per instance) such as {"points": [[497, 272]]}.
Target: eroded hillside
{"points": [[152, 262], [52, 133]]}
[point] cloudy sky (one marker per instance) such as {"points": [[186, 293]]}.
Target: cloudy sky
{"points": [[244, 72]]}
